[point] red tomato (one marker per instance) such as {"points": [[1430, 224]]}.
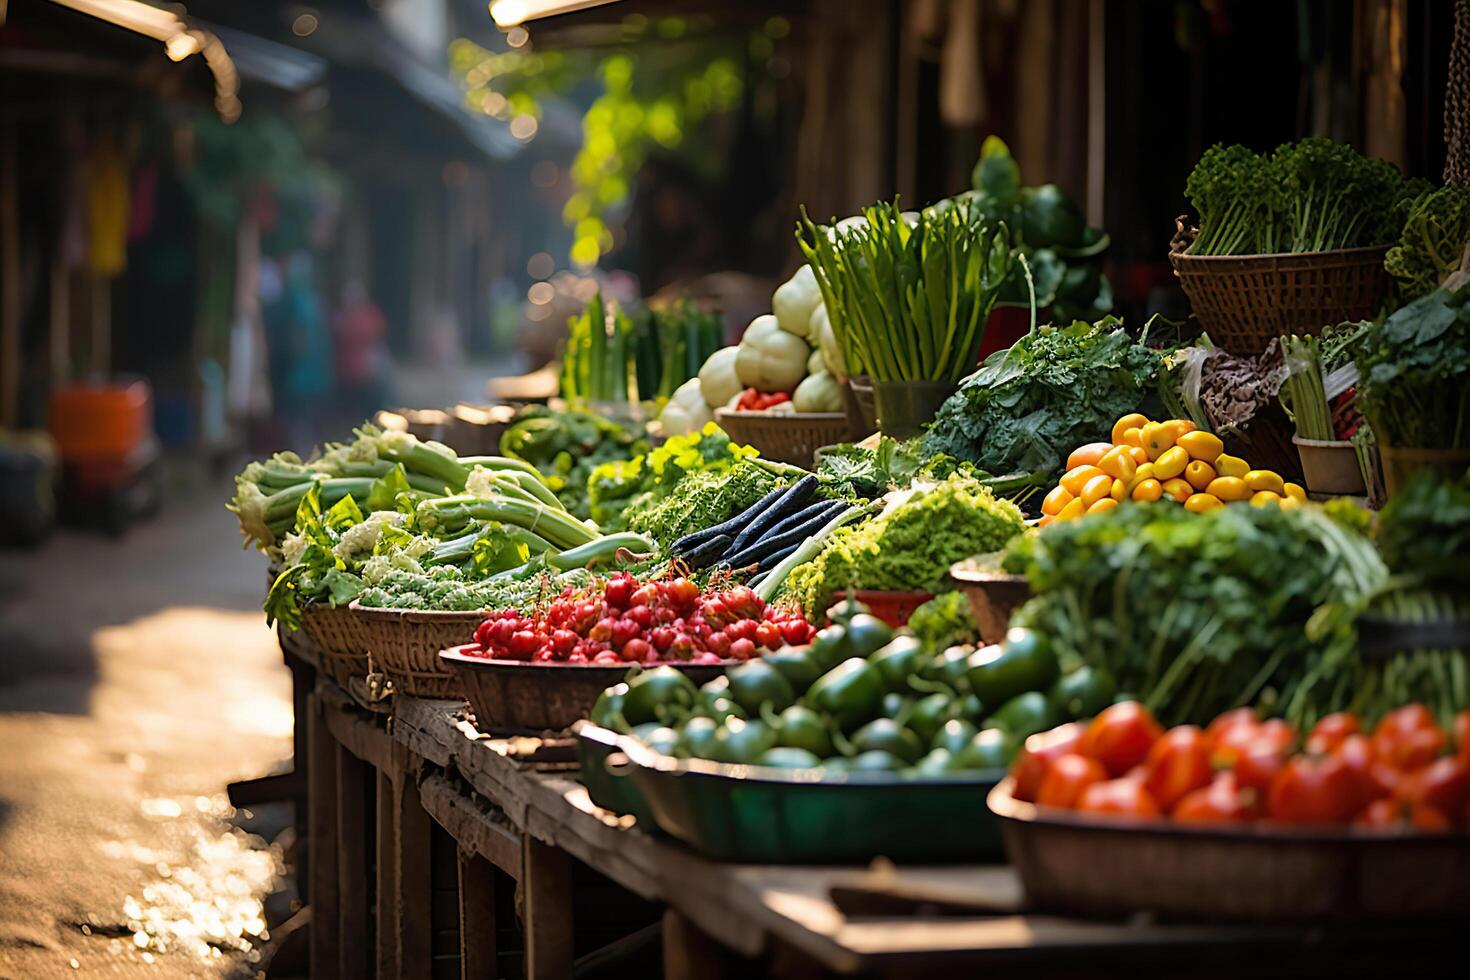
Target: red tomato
{"points": [[1234, 718], [1120, 736], [1328, 733], [1125, 797], [768, 635], [1381, 815], [1313, 790], [1422, 816], [1037, 754], [618, 591], [1223, 801], [1356, 752], [1177, 764], [1444, 784], [1233, 741], [742, 649], [1257, 762], [1407, 738], [636, 650], [1066, 778], [1462, 734], [718, 644]]}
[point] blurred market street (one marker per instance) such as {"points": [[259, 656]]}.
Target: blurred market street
{"points": [[139, 680]]}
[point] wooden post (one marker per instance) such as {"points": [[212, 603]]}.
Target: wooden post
{"points": [[546, 890], [9, 271], [689, 952], [387, 919], [407, 920], [477, 948], [322, 853], [353, 895]]}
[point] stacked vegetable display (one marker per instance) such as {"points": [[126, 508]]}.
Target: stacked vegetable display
{"points": [[1406, 773], [860, 698], [1171, 460]]}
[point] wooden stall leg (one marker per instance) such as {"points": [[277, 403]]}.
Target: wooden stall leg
{"points": [[409, 915], [689, 952], [477, 949], [322, 871], [546, 892], [387, 930], [353, 776]]}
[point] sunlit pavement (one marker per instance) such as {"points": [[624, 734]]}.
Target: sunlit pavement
{"points": [[137, 679]]}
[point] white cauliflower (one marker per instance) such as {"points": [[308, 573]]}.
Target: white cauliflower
{"points": [[292, 548], [363, 538]]}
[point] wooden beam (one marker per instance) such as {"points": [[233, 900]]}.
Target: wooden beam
{"points": [[689, 952], [546, 890], [482, 832], [412, 872], [387, 920], [477, 922], [9, 271], [322, 850], [354, 777]]}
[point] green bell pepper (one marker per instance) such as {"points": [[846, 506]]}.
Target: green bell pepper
{"points": [[971, 708], [887, 735], [742, 742], [799, 727], [712, 691], [1024, 716], [844, 609], [607, 710], [950, 667], [850, 693], [661, 738], [999, 672], [657, 694], [992, 748], [797, 665], [898, 661], [829, 647], [954, 735], [875, 761], [929, 714], [697, 739], [867, 634], [937, 762], [787, 757], [895, 705], [1082, 693], [724, 708], [755, 683]]}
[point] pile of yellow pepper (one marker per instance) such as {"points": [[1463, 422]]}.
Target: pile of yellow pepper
{"points": [[1170, 460]]}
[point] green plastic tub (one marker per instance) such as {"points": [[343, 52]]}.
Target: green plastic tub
{"points": [[760, 815], [595, 745]]}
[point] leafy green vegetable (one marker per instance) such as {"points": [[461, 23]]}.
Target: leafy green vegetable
{"points": [[448, 588], [944, 621], [1432, 242], [910, 545], [909, 297], [1197, 613], [1055, 389], [1308, 196], [856, 472], [1414, 373], [567, 446], [702, 499]]}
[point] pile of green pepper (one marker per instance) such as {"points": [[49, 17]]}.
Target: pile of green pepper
{"points": [[861, 697]]}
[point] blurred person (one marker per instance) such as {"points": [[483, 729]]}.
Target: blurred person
{"points": [[300, 348], [360, 338]]}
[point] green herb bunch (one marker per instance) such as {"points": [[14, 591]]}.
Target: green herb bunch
{"points": [[1432, 242], [1414, 373], [909, 295], [1309, 196]]}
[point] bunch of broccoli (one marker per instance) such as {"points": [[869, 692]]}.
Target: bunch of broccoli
{"points": [[1309, 196]]}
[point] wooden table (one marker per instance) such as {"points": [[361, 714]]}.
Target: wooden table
{"points": [[389, 783]]}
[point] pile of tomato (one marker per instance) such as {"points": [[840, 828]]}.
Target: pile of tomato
{"points": [[625, 621], [752, 400], [1406, 772]]}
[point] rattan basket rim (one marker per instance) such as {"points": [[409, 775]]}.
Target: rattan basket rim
{"points": [[418, 615], [1358, 251]]}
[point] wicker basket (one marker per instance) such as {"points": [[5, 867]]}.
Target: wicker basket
{"points": [[1245, 300], [519, 698], [339, 640], [789, 437], [406, 642], [993, 594]]}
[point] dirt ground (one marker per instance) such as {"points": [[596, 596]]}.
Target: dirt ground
{"points": [[137, 679]]}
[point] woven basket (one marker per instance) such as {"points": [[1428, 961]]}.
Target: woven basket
{"points": [[339, 639], [406, 643], [1245, 300], [790, 437]]}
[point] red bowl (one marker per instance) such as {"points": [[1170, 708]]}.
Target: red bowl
{"points": [[520, 697], [894, 608]]}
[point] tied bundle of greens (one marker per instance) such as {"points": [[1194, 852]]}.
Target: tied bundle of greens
{"points": [[908, 296], [1313, 195], [565, 447], [910, 545], [1312, 365], [1053, 390], [1414, 373], [1432, 242], [1198, 613], [596, 359], [671, 345]]}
